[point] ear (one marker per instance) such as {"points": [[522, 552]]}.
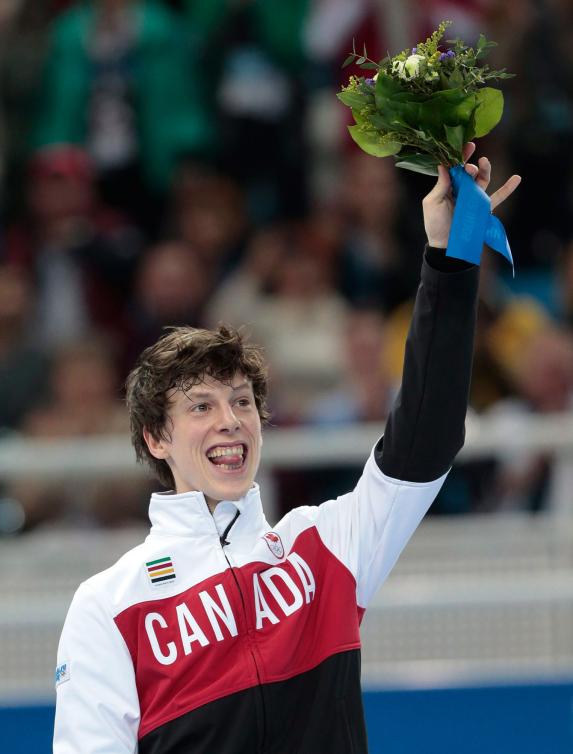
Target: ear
{"points": [[157, 447]]}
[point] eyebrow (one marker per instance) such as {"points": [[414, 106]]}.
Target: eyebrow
{"points": [[201, 396]]}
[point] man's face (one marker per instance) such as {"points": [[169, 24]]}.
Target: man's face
{"points": [[214, 439]]}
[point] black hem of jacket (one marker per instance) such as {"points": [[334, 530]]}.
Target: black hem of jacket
{"points": [[319, 711]]}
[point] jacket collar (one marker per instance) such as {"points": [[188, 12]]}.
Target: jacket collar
{"points": [[187, 515]]}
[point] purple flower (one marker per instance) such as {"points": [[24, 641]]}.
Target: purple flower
{"points": [[443, 57], [414, 50], [370, 82], [447, 55], [451, 54]]}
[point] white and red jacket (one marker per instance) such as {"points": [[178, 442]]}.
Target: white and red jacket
{"points": [[220, 635]]}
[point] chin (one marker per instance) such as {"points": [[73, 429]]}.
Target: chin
{"points": [[234, 493]]}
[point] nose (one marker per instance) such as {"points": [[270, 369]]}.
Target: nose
{"points": [[228, 422]]}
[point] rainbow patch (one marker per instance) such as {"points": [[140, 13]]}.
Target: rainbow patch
{"points": [[160, 570]]}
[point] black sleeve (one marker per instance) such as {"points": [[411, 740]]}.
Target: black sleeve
{"points": [[425, 428]]}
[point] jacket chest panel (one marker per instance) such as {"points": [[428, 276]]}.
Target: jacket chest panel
{"points": [[251, 623]]}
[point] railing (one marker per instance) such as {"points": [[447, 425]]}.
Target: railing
{"points": [[305, 447], [472, 598], [475, 599]]}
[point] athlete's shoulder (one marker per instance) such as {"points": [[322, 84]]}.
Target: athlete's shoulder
{"points": [[122, 582]]}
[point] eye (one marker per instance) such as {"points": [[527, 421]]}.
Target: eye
{"points": [[244, 402], [200, 408]]}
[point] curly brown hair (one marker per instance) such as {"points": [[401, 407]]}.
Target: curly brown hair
{"points": [[181, 358]]}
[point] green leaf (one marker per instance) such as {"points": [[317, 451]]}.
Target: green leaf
{"points": [[369, 66], [359, 118], [361, 60], [370, 142], [451, 107], [419, 163], [386, 86], [455, 136], [352, 99], [348, 60], [470, 129], [456, 80], [488, 111], [377, 120]]}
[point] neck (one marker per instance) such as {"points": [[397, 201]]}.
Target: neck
{"points": [[212, 504]]}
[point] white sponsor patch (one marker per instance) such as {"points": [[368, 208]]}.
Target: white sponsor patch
{"points": [[62, 673], [275, 544]]}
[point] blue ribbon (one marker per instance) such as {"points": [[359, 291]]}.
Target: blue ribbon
{"points": [[473, 224]]}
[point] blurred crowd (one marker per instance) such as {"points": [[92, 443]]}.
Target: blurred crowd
{"points": [[186, 161]]}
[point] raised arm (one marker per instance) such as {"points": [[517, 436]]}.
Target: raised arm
{"points": [[368, 528], [425, 429]]}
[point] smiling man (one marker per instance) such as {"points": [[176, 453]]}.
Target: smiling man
{"points": [[210, 435], [220, 634]]}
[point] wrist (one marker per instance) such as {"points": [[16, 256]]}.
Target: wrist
{"points": [[437, 259]]}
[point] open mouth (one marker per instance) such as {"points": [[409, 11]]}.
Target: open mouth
{"points": [[228, 457]]}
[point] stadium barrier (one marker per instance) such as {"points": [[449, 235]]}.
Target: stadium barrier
{"points": [[468, 647]]}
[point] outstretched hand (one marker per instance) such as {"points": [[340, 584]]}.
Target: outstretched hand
{"points": [[438, 205]]}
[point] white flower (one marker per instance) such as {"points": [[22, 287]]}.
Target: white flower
{"points": [[398, 67], [409, 68]]}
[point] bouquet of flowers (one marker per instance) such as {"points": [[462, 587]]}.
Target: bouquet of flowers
{"points": [[424, 104]]}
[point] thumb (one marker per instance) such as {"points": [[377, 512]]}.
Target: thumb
{"points": [[443, 184]]}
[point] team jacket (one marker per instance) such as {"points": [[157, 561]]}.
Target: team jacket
{"points": [[222, 635]]}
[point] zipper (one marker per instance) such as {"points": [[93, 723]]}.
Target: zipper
{"points": [[259, 691]]}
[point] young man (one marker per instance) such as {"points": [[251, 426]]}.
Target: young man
{"points": [[220, 635]]}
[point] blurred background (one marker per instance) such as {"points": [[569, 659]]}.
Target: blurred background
{"points": [[186, 161]]}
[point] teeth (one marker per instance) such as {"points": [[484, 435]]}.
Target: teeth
{"points": [[236, 450]]}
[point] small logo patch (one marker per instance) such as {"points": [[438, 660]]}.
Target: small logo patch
{"points": [[275, 544], [160, 571], [62, 673]]}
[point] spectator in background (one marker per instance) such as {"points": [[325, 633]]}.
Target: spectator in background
{"points": [[79, 254], [367, 392], [23, 49], [208, 212], [240, 294], [377, 259], [507, 324], [285, 291], [171, 289], [543, 376], [254, 72], [84, 394], [563, 284], [22, 364], [8, 13], [467, 16], [120, 80], [536, 43], [84, 401]]}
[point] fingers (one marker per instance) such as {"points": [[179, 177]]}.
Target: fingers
{"points": [[442, 187], [506, 190], [468, 150], [481, 173], [484, 173], [471, 169]]}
